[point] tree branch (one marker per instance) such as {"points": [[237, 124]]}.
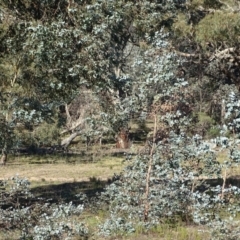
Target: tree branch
{"points": [[65, 142], [146, 210], [185, 54], [223, 54]]}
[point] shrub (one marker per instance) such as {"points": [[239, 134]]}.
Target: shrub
{"points": [[36, 218]]}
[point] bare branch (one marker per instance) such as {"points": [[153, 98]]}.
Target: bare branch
{"points": [[73, 125], [65, 142], [228, 7], [185, 54], [223, 54]]}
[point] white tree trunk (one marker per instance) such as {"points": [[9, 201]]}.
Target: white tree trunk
{"points": [[65, 142]]}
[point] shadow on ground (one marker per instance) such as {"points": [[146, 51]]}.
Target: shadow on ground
{"points": [[66, 192], [231, 181]]}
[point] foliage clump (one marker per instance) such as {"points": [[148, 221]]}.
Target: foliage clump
{"points": [[224, 27], [36, 218], [179, 178]]}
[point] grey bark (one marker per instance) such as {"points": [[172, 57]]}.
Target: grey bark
{"points": [[65, 142]]}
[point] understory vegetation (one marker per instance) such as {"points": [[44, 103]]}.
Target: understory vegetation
{"points": [[135, 108]]}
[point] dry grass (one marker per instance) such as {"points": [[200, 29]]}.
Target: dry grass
{"points": [[222, 156], [62, 172]]}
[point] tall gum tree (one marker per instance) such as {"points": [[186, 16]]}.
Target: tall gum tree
{"points": [[56, 49]]}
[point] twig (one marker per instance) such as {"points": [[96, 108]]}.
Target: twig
{"points": [[224, 183], [146, 208]]}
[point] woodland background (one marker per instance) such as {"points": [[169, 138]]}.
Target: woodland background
{"points": [[67, 67], [157, 79]]}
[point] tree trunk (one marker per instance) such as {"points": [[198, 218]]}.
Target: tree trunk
{"points": [[223, 112], [3, 159], [65, 142]]}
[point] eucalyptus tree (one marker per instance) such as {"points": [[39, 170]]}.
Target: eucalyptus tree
{"points": [[170, 178], [143, 192], [33, 219], [50, 53], [52, 50], [206, 32]]}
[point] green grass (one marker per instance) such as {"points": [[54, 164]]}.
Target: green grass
{"points": [[204, 118], [161, 232]]}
